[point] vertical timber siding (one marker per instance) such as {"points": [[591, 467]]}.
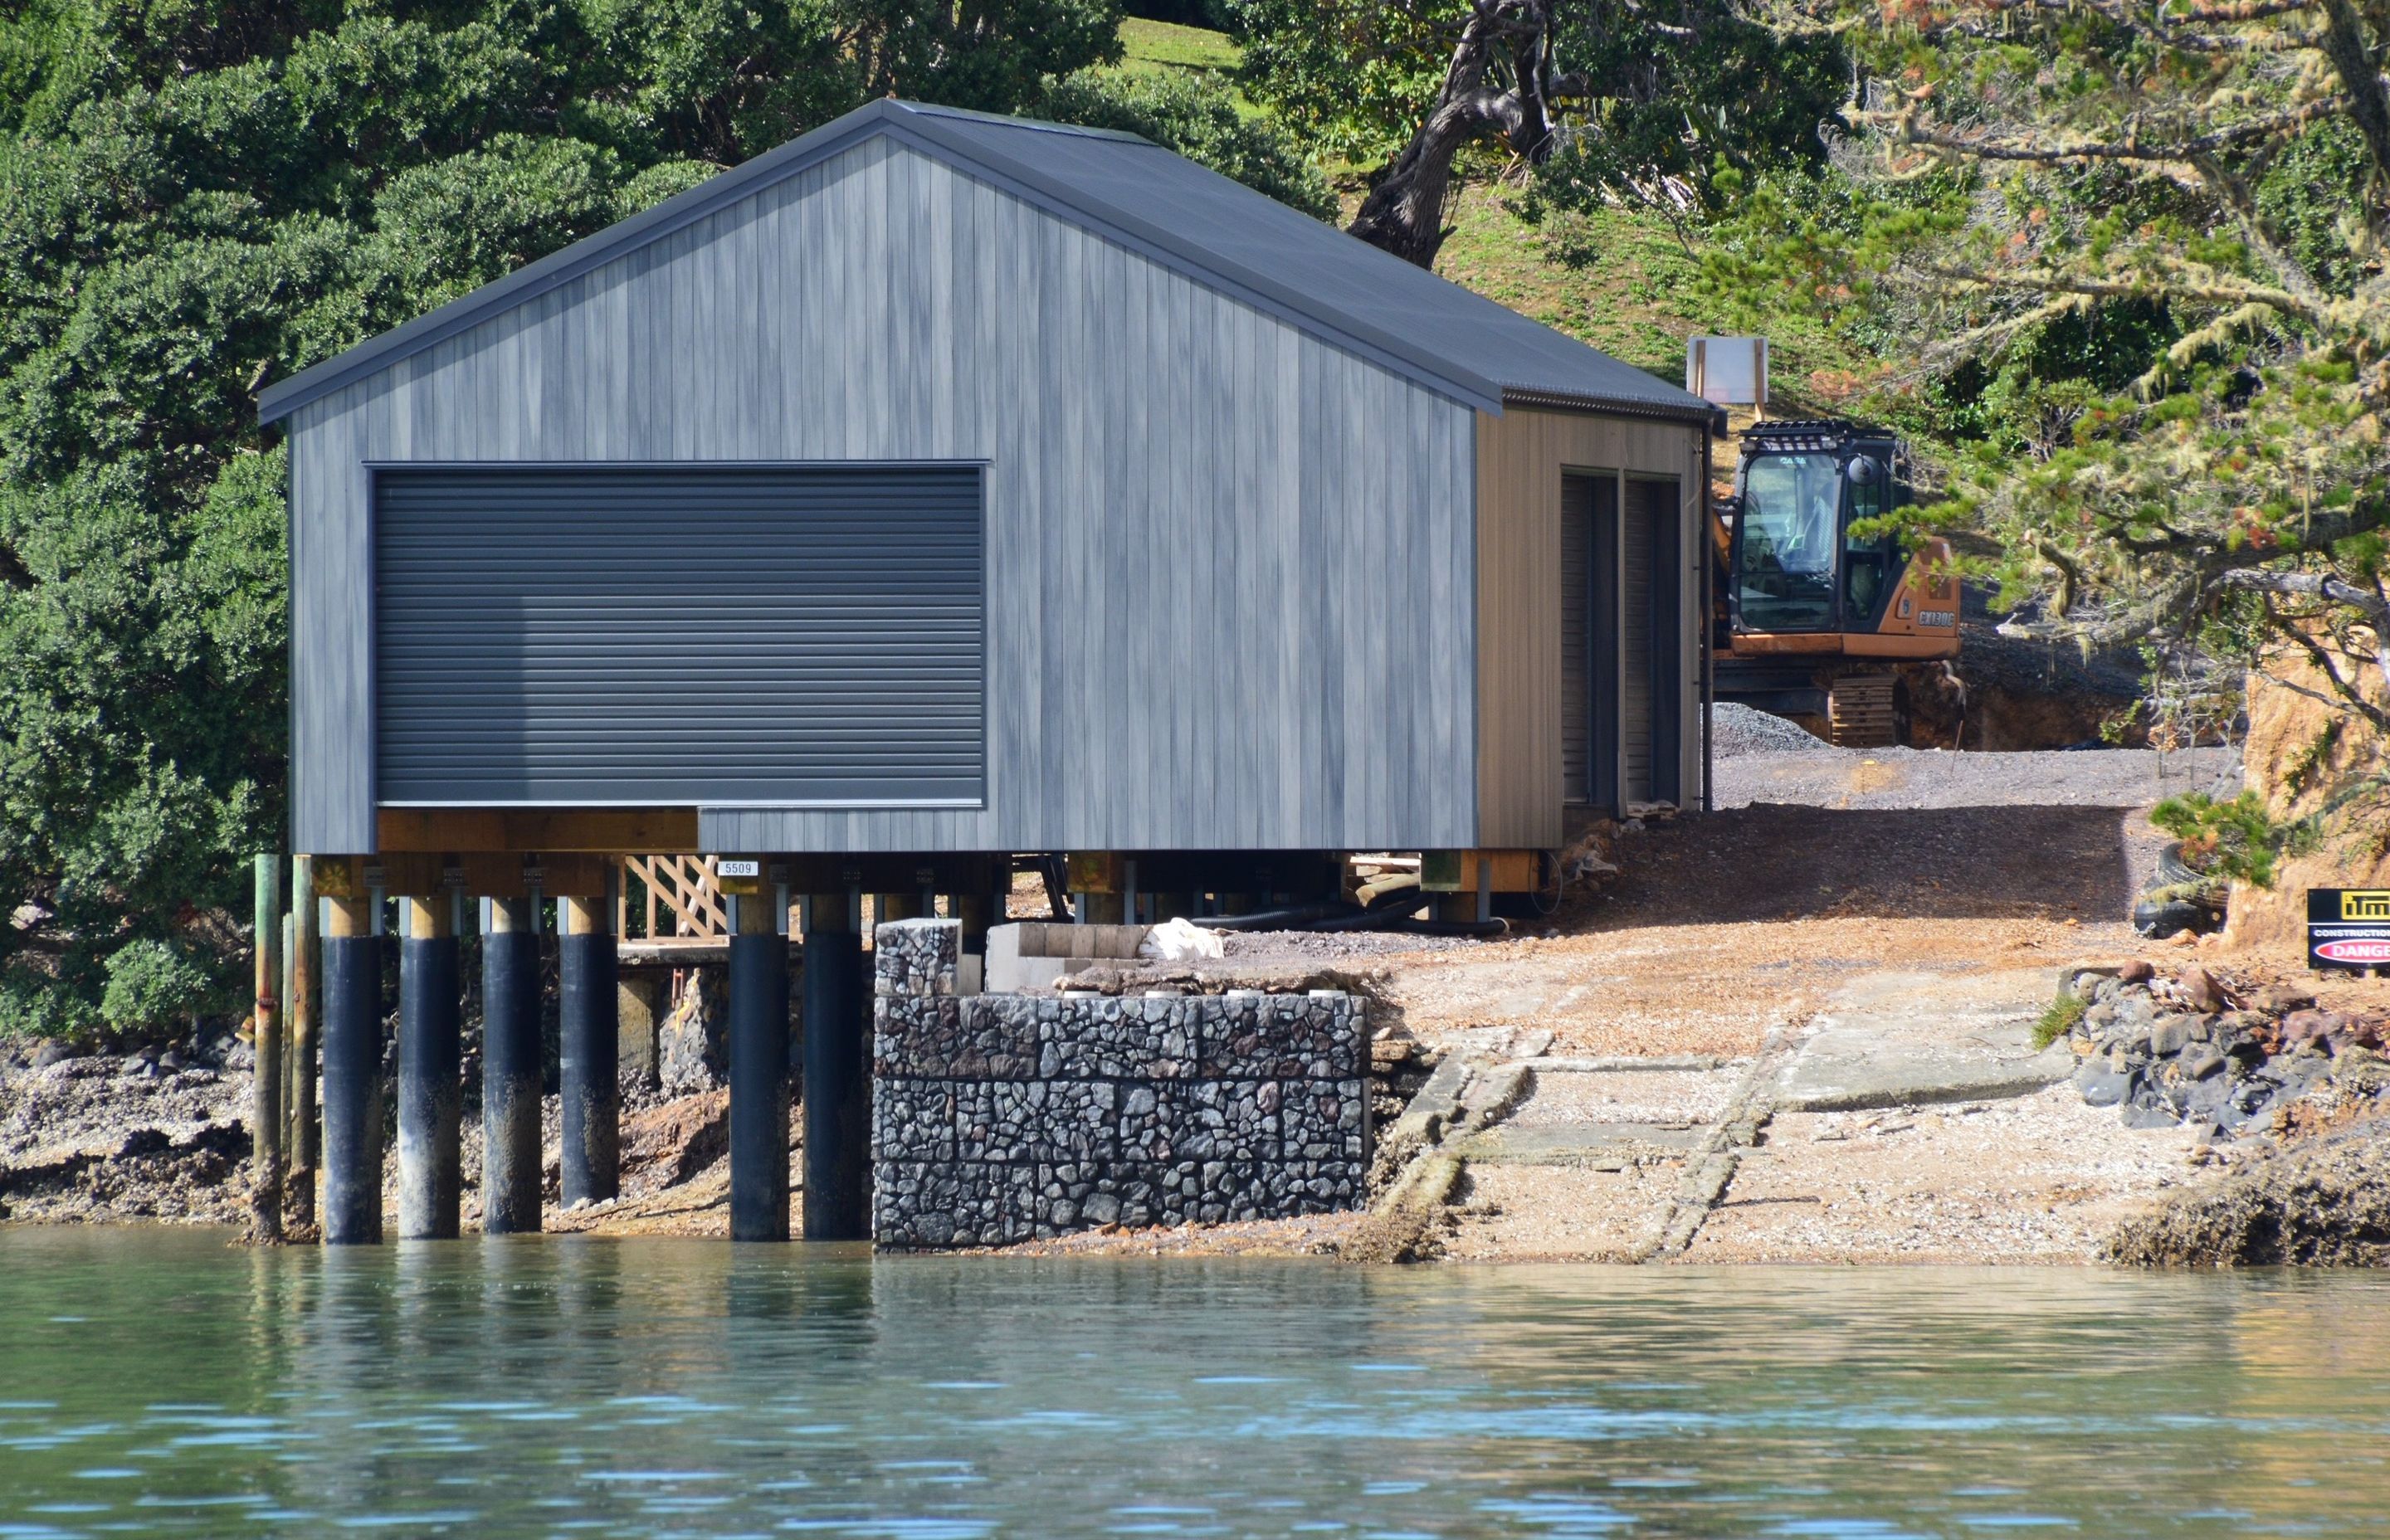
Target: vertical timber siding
{"points": [[1230, 569], [1520, 458]]}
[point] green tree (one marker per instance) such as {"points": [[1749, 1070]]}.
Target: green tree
{"points": [[1605, 98], [2142, 241], [198, 197]]}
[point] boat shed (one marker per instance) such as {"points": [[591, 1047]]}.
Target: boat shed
{"points": [[941, 483], [934, 492]]}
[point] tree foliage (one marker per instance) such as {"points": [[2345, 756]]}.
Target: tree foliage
{"points": [[1607, 98], [198, 197], [2135, 247]]}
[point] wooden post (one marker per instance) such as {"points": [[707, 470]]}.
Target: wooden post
{"points": [[265, 1078], [352, 1145], [589, 1023], [306, 1141], [431, 1171], [285, 1077], [510, 1069], [759, 1072]]}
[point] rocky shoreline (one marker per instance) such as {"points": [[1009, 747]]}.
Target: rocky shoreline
{"points": [[2229, 1057], [158, 1133]]}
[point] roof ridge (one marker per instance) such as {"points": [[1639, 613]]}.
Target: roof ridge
{"points": [[1026, 124], [1393, 328]]}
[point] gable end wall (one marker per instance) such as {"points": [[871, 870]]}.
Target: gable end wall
{"points": [[1231, 573]]}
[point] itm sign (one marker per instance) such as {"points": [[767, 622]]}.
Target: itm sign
{"points": [[2348, 928]]}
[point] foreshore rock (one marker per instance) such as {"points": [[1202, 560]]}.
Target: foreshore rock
{"points": [[2322, 1204]]}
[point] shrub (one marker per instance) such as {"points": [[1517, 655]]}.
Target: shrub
{"points": [[153, 983], [2236, 840]]}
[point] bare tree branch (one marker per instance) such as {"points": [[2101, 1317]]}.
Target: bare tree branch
{"points": [[2130, 148], [2209, 292], [2319, 585]]}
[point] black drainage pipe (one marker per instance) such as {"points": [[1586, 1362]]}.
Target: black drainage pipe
{"points": [[510, 1071]]}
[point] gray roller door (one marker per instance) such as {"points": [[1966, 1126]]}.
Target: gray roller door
{"points": [[1576, 626], [1588, 624], [675, 636], [1635, 646], [1652, 642]]}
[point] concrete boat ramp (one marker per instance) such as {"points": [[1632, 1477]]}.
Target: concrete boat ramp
{"points": [[1634, 1156]]}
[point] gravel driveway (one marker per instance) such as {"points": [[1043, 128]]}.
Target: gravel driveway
{"points": [[1826, 776]]}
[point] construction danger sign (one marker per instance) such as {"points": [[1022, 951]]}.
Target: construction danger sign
{"points": [[2348, 928]]}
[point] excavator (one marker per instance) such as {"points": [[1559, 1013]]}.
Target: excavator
{"points": [[1814, 622]]}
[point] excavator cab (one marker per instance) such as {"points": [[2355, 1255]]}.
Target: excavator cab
{"points": [[1796, 564]]}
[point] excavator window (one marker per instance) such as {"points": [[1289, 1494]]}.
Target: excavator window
{"points": [[1789, 535], [1870, 562]]}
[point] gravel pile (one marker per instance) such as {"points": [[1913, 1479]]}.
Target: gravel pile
{"points": [[1736, 728]]}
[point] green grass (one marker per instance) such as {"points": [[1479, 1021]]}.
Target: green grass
{"points": [[2060, 1020], [1152, 46]]}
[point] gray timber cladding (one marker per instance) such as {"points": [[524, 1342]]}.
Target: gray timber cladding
{"points": [[1202, 510], [585, 635]]}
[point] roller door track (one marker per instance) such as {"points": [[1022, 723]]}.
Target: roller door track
{"points": [[680, 637]]}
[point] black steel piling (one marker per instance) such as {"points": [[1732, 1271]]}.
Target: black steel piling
{"points": [[589, 1020], [838, 1083], [352, 1053], [510, 1069], [431, 1171], [759, 1072]]}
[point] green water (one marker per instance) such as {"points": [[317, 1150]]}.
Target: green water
{"points": [[156, 1382]]}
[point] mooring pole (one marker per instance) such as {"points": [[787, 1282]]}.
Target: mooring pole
{"points": [[838, 1075], [352, 1074], [759, 1071], [307, 1136], [430, 1169], [266, 1038], [590, 1016], [285, 1078], [510, 1069]]}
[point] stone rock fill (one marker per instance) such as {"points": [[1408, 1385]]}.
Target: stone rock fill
{"points": [[1000, 1118]]}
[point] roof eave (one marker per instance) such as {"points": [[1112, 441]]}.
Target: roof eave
{"points": [[1694, 411]]}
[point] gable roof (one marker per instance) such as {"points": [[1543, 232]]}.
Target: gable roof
{"points": [[1133, 191]]}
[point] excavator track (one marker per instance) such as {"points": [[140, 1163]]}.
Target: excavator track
{"points": [[1859, 712]]}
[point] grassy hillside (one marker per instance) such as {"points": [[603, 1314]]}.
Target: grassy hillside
{"points": [[1154, 47], [1623, 280]]}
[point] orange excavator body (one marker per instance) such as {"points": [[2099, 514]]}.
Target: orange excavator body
{"points": [[1818, 611]]}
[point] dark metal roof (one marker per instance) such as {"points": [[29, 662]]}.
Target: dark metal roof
{"points": [[1128, 189]]}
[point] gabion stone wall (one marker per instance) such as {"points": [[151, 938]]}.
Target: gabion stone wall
{"points": [[999, 1118]]}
